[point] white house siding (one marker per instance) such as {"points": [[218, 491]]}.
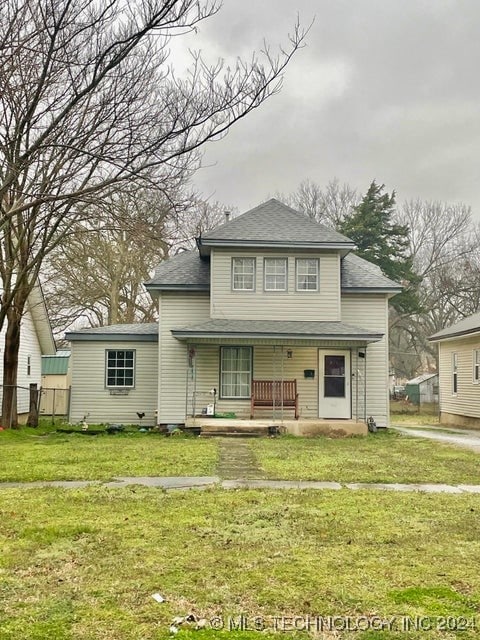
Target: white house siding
{"points": [[464, 407], [370, 311], [271, 305], [29, 348], [91, 398], [176, 310]]}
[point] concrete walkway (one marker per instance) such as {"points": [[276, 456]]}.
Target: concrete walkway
{"points": [[236, 460], [462, 438], [203, 482]]}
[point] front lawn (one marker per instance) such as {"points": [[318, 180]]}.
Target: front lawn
{"points": [[386, 456], [83, 564], [41, 454]]}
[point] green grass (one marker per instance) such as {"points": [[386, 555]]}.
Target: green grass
{"points": [[382, 457], [404, 413], [83, 564], [41, 454]]}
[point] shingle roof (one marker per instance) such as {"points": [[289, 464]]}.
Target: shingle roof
{"points": [[276, 329], [461, 328], [274, 223], [140, 331], [188, 271], [358, 273], [185, 270]]}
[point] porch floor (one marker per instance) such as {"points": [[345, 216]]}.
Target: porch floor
{"points": [[302, 427]]}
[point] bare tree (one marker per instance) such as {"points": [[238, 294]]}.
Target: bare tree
{"points": [[200, 216], [97, 273], [88, 100], [329, 205], [444, 244]]}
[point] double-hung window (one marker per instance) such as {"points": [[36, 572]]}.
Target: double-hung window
{"points": [[275, 274], [235, 372], [454, 373], [476, 366], [120, 368], [307, 274], [243, 274]]}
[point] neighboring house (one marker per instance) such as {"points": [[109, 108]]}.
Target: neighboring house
{"points": [[269, 295], [56, 381], [114, 374], [459, 372], [36, 339], [423, 389]]}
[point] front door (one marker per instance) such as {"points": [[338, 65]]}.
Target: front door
{"points": [[334, 384]]}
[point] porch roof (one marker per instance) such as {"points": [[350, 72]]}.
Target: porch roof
{"points": [[277, 329]]}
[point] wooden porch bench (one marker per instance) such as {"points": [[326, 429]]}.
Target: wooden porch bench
{"points": [[269, 394]]}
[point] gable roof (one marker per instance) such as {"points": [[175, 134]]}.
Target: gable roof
{"points": [[464, 327], [273, 224], [41, 322], [188, 271], [137, 332], [423, 377]]}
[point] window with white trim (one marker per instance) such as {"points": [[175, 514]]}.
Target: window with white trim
{"points": [[243, 274], [454, 373], [235, 372], [275, 274], [120, 368], [307, 274], [476, 366]]}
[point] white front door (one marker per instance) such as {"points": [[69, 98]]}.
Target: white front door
{"points": [[334, 400]]}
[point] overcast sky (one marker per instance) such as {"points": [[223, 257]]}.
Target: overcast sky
{"points": [[385, 89]]}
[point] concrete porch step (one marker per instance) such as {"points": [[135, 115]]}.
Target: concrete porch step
{"points": [[208, 431], [214, 429]]}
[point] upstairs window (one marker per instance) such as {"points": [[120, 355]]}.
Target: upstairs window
{"points": [[243, 274], [454, 373], [307, 274], [476, 366], [120, 368], [275, 274]]}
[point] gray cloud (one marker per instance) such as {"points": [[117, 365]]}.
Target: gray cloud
{"points": [[385, 89]]}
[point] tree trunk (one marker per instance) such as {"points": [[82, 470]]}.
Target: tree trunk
{"points": [[10, 366]]}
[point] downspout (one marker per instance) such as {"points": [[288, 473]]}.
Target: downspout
{"points": [[187, 385], [281, 386], [356, 385], [365, 386]]}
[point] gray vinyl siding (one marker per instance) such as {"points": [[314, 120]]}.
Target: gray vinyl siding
{"points": [[90, 396], [371, 312], [176, 310], [467, 400], [268, 305]]}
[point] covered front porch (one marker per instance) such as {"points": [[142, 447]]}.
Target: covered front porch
{"points": [[327, 362]]}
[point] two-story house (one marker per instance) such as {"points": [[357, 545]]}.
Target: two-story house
{"points": [[268, 296]]}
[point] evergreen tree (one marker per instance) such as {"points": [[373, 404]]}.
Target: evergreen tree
{"points": [[380, 240]]}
